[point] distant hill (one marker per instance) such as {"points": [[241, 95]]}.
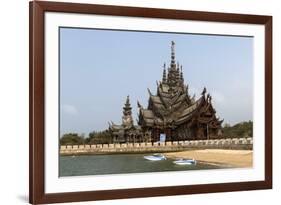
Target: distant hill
{"points": [[242, 129]]}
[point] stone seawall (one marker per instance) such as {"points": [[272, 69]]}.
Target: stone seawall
{"points": [[234, 143]]}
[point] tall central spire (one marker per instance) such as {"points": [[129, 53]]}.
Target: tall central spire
{"points": [[174, 77], [173, 64]]}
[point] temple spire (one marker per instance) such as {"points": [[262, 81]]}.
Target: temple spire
{"points": [[127, 119], [127, 109], [164, 78], [181, 75], [178, 72], [173, 54]]}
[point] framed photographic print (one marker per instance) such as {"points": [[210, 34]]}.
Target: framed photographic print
{"points": [[132, 102]]}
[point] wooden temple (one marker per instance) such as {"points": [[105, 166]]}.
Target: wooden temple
{"points": [[127, 131], [172, 112]]}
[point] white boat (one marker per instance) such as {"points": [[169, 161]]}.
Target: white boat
{"points": [[185, 162], [155, 157]]}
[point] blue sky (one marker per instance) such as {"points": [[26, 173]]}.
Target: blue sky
{"points": [[99, 68]]}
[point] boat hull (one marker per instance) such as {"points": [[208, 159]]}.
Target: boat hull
{"points": [[185, 162], [154, 158]]}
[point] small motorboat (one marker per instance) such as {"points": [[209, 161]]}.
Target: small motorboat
{"points": [[185, 162], [155, 157]]}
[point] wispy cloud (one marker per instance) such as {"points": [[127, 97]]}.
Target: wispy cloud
{"points": [[69, 109]]}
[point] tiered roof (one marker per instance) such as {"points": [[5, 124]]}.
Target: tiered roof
{"points": [[127, 120], [172, 104]]}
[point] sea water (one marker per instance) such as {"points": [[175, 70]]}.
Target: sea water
{"points": [[120, 163]]}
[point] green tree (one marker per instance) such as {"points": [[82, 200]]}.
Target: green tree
{"points": [[242, 129], [102, 137], [71, 139]]}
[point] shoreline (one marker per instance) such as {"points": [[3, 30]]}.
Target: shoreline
{"points": [[220, 157], [119, 152], [152, 147]]}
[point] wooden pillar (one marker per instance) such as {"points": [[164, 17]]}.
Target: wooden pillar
{"points": [[156, 135], [168, 134]]}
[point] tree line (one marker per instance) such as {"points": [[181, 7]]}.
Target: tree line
{"points": [[239, 130], [102, 137]]}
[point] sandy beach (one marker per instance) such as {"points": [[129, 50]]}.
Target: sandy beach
{"points": [[231, 158]]}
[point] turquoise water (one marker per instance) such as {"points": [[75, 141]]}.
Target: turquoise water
{"points": [[119, 163]]}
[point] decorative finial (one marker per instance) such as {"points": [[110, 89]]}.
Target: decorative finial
{"points": [[139, 105], [193, 97], [128, 100], [185, 87], [204, 91], [149, 91]]}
